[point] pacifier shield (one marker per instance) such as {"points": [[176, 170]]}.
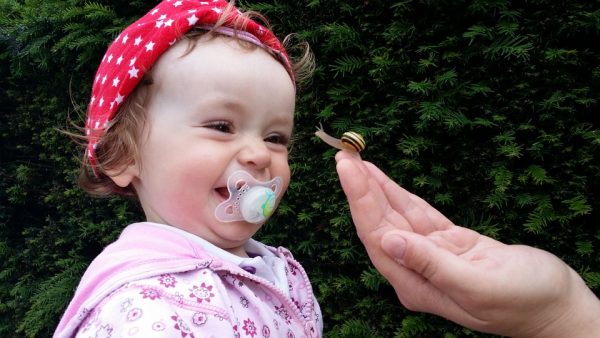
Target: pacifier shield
{"points": [[249, 200]]}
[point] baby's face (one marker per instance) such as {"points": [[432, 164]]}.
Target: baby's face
{"points": [[219, 109]]}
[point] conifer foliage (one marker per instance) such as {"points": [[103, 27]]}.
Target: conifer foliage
{"points": [[486, 108]]}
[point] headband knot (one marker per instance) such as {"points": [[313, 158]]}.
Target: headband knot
{"points": [[137, 48]]}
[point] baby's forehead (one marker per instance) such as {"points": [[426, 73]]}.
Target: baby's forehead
{"points": [[210, 53], [206, 40], [218, 71]]}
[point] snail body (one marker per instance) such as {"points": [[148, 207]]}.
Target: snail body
{"points": [[349, 141]]}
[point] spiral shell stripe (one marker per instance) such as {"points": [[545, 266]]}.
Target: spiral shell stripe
{"points": [[354, 141]]}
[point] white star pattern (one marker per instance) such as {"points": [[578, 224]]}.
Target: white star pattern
{"points": [[101, 102], [132, 61], [177, 3], [119, 98], [192, 20], [149, 46], [137, 41], [116, 81], [169, 22], [203, 3], [159, 24], [97, 78], [124, 39], [133, 72], [120, 59], [110, 57], [162, 17], [217, 10], [92, 100], [154, 11], [104, 79]]}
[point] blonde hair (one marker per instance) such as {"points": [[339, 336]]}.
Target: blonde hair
{"points": [[118, 147]]}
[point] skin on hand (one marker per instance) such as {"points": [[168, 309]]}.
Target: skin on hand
{"points": [[454, 272]]}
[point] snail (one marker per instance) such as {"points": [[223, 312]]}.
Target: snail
{"points": [[350, 140]]}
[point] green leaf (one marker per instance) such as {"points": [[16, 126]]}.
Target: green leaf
{"points": [[347, 64], [578, 205], [585, 247]]}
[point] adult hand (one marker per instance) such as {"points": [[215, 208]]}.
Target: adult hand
{"points": [[473, 280]]}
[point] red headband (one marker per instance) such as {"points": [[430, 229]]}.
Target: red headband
{"points": [[137, 48]]}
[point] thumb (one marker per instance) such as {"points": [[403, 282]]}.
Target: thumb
{"points": [[440, 267], [435, 280]]}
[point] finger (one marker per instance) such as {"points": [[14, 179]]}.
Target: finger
{"points": [[357, 184], [457, 240], [453, 276], [421, 215], [368, 203], [443, 269], [462, 241], [407, 202], [416, 292], [340, 155]]}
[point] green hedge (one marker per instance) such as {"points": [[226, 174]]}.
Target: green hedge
{"points": [[486, 108]]}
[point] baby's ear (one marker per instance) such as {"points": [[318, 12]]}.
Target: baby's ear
{"points": [[124, 176]]}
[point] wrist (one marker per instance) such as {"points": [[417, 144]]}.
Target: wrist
{"points": [[577, 316]]}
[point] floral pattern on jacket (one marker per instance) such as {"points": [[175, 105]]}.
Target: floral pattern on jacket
{"points": [[215, 298]]}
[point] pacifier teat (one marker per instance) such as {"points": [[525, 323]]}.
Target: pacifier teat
{"points": [[249, 200]]}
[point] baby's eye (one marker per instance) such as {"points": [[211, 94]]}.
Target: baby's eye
{"points": [[222, 126], [278, 139]]}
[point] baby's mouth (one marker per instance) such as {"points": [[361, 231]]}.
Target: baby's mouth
{"points": [[223, 192]]}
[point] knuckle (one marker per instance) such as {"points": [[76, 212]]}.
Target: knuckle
{"points": [[428, 269]]}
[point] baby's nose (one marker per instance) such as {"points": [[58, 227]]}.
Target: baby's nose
{"points": [[255, 154]]}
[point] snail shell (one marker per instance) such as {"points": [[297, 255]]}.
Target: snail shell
{"points": [[350, 140], [354, 141]]}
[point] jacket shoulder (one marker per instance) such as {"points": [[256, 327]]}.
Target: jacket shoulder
{"points": [[168, 305]]}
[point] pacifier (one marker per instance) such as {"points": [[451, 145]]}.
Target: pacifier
{"points": [[249, 200]]}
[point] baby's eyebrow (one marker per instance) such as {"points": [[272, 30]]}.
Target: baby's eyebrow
{"points": [[221, 103], [283, 118], [232, 104]]}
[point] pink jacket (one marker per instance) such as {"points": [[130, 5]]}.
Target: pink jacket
{"points": [[153, 282]]}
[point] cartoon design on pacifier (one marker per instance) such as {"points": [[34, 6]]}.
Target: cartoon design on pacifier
{"points": [[249, 200]]}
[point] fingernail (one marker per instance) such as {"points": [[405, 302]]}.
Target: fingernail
{"points": [[395, 246]]}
